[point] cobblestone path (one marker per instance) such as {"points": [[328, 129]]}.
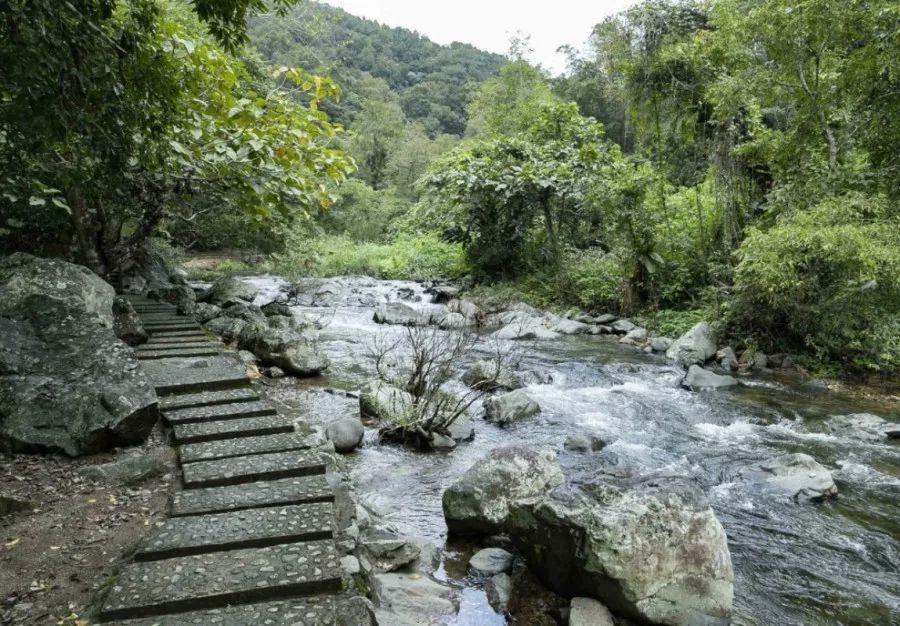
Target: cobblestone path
{"points": [[250, 538]]}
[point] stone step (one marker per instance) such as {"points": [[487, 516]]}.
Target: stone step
{"points": [[244, 446], [236, 410], [257, 495], [163, 318], [157, 313], [195, 374], [198, 432], [178, 345], [181, 352], [152, 305], [168, 335], [248, 469], [202, 534], [194, 337], [215, 580], [207, 398], [154, 320], [312, 611], [169, 326]]}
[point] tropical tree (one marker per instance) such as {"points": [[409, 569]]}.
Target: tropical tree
{"points": [[117, 116], [508, 199]]}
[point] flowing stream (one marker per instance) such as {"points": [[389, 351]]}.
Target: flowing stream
{"points": [[831, 563]]}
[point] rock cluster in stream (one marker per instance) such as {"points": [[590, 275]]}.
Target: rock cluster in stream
{"points": [[650, 549], [694, 350], [67, 383], [278, 338]]}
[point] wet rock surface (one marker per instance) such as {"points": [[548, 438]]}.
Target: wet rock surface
{"points": [[800, 477], [650, 549], [228, 289], [480, 500], [695, 347], [345, 434], [411, 600], [491, 561], [698, 379], [510, 407]]}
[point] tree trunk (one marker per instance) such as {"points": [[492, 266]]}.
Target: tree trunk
{"points": [[84, 230]]}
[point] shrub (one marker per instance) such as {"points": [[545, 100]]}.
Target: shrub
{"points": [[409, 257], [827, 280]]}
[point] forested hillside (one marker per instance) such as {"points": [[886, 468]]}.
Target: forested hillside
{"points": [[722, 160], [432, 82]]}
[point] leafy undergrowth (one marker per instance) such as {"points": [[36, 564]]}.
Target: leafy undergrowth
{"points": [[408, 257]]}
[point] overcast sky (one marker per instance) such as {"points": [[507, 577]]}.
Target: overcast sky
{"points": [[488, 24]]}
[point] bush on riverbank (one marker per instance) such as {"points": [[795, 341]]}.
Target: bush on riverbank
{"points": [[408, 257]]}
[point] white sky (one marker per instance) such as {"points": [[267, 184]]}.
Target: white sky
{"points": [[488, 24]]}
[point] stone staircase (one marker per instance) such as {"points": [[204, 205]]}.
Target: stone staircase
{"points": [[250, 538]]}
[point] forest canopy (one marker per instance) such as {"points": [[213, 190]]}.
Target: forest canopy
{"points": [[729, 160]]}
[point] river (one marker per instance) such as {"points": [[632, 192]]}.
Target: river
{"points": [[831, 563]]}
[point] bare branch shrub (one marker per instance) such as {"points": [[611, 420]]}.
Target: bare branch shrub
{"points": [[421, 362]]}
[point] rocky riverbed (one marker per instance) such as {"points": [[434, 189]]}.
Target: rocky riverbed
{"points": [[768, 455]]}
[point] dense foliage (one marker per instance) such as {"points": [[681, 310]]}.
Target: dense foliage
{"points": [[116, 118], [729, 160], [753, 176], [430, 81]]}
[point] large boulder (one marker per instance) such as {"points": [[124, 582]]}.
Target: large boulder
{"points": [[752, 360], [660, 344], [569, 327], [204, 312], [727, 359], [182, 296], [229, 288], [282, 347], [698, 378], [145, 271], [489, 375], [127, 324], [522, 326], [622, 327], [696, 346], [228, 328], [510, 407], [276, 308], [67, 383], [381, 401], [652, 550], [28, 282], [383, 550], [411, 599], [403, 314], [242, 311], [467, 309], [800, 477], [479, 501], [863, 426], [637, 336], [453, 321]]}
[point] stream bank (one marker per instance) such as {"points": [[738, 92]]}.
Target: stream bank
{"points": [[795, 563]]}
